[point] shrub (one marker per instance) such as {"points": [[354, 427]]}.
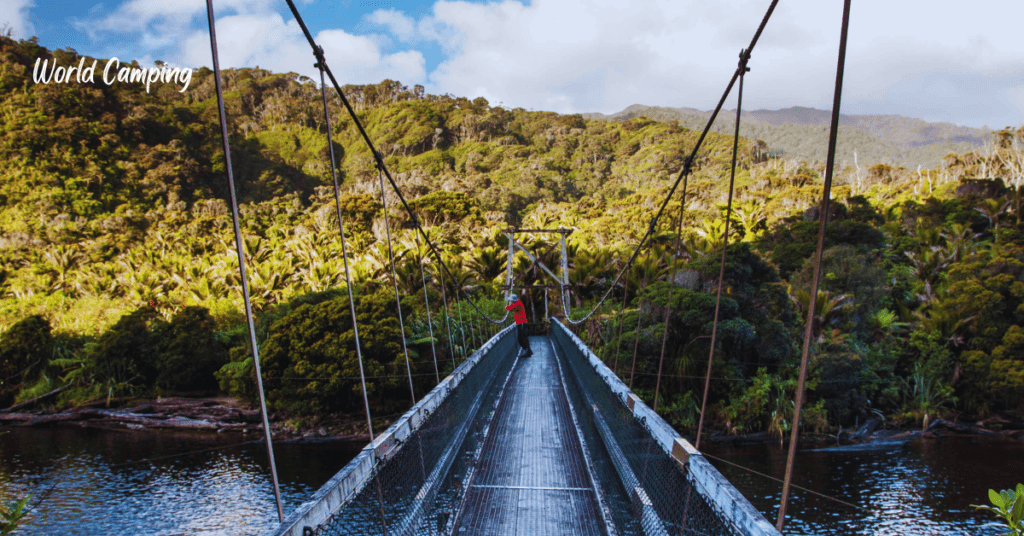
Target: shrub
{"points": [[1009, 505], [189, 351], [238, 376], [25, 350], [124, 356], [309, 362]]}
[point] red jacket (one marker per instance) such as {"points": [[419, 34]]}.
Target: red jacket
{"points": [[518, 310]]}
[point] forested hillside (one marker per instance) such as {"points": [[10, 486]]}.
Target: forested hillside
{"points": [[803, 133], [118, 275]]}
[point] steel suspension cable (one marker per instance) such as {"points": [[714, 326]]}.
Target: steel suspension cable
{"points": [[770, 477], [318, 52], [462, 324], [816, 278], [241, 257], [426, 300], [377, 156], [322, 65], [344, 250], [639, 311], [448, 322], [394, 279], [622, 312], [744, 56], [671, 288], [687, 163]]}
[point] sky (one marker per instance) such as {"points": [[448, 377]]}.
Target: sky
{"points": [[940, 60]]}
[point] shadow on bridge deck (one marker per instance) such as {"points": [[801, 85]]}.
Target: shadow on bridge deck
{"points": [[532, 478]]}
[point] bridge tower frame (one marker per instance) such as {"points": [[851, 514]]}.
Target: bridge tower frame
{"points": [[563, 281]]}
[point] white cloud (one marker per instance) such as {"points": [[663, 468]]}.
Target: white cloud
{"points": [[603, 55], [272, 43], [14, 13], [584, 55], [396, 22], [1016, 95], [249, 40], [357, 59], [162, 22], [250, 33]]}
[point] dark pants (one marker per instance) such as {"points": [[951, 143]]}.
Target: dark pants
{"points": [[524, 340]]}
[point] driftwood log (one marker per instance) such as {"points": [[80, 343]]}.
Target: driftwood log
{"points": [[174, 413], [36, 400], [15, 417]]}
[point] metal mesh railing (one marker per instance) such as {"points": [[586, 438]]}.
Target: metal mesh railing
{"points": [[417, 483], [648, 481], [648, 491]]}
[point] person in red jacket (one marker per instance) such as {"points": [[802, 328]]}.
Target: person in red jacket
{"points": [[519, 312]]}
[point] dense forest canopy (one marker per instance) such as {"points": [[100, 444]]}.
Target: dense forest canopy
{"points": [[118, 275]]}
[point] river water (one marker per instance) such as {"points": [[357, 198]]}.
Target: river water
{"points": [[919, 488], [99, 492]]}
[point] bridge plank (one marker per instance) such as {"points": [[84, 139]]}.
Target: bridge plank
{"points": [[531, 478]]}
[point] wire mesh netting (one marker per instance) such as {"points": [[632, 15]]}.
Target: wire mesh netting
{"points": [[647, 491], [415, 488], [419, 487]]}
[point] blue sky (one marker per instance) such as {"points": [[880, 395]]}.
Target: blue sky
{"points": [[953, 61]]}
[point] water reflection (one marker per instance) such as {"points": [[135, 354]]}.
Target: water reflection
{"points": [[921, 488], [918, 488], [222, 492]]}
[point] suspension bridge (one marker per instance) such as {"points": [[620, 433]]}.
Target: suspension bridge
{"points": [[555, 443]]}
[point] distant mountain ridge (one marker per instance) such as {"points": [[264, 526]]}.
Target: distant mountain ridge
{"points": [[802, 132], [894, 128]]}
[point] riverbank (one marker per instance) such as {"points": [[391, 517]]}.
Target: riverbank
{"points": [[219, 414], [997, 427], [223, 414]]}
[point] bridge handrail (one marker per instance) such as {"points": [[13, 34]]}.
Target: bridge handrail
{"points": [[344, 486], [713, 486]]}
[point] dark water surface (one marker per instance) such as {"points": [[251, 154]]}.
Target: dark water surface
{"points": [[922, 487], [918, 488], [220, 492]]}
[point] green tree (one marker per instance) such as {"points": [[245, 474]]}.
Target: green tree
{"points": [[25, 350], [124, 357], [309, 361], [188, 351], [986, 293]]}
